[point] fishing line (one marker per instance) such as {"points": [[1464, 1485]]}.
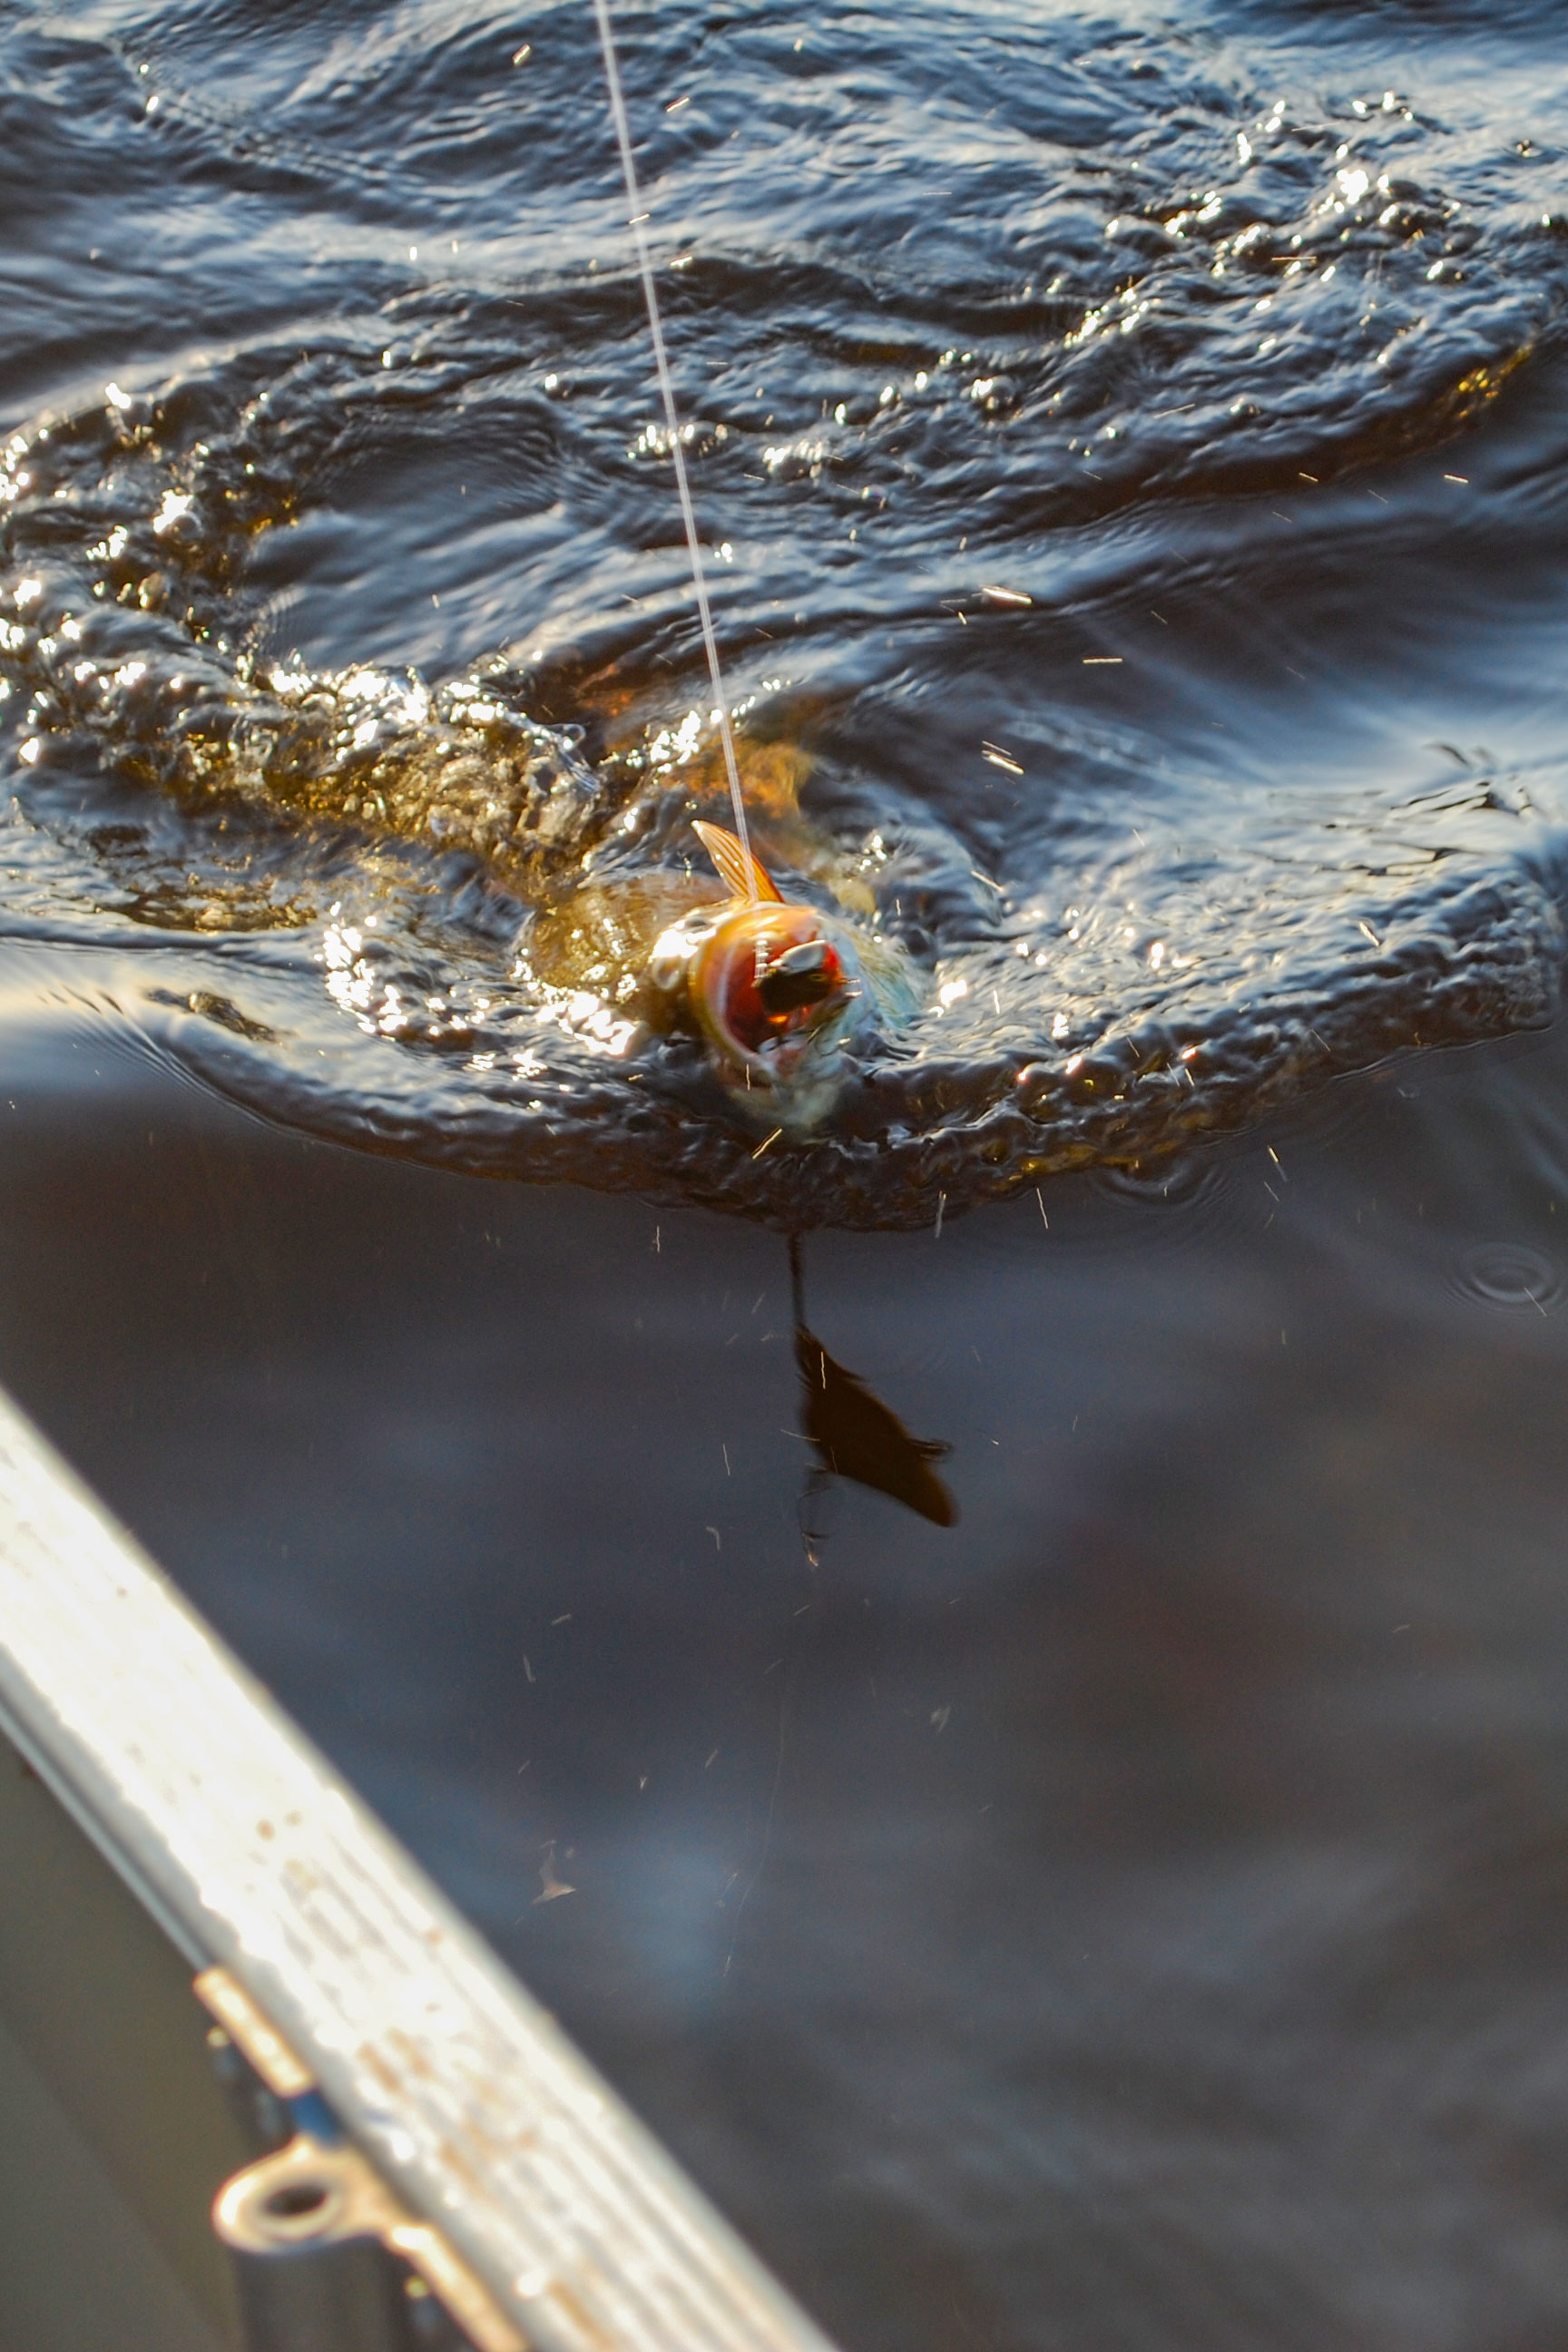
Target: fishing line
{"points": [[636, 222]]}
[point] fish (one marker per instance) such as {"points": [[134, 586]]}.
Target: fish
{"points": [[781, 994]]}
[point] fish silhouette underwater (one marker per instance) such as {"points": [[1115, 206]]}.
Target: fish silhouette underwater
{"points": [[783, 994], [855, 1435]]}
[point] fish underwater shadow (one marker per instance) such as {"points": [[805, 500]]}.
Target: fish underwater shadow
{"points": [[856, 1435]]}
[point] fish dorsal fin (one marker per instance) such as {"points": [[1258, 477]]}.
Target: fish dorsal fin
{"points": [[731, 861]]}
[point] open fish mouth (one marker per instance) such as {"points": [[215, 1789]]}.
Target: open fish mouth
{"points": [[769, 1004], [779, 992], [777, 1004]]}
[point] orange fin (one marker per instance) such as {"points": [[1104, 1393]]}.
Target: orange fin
{"points": [[731, 860]]}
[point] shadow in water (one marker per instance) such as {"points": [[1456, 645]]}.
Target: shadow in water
{"points": [[855, 1435]]}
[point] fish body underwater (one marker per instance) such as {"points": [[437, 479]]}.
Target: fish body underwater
{"points": [[591, 858]]}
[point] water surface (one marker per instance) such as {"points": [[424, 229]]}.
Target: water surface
{"points": [[1129, 449]]}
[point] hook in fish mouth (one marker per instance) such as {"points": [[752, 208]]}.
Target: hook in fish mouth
{"points": [[776, 998]]}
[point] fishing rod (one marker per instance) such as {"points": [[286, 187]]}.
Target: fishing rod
{"points": [[636, 221]]}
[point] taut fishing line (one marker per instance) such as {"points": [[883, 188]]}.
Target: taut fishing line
{"points": [[637, 219]]}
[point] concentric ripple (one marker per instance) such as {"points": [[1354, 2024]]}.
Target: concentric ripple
{"points": [[1509, 1275]]}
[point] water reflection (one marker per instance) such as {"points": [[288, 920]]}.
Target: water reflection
{"points": [[856, 1435]]}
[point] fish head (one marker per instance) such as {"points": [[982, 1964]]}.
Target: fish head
{"points": [[776, 990]]}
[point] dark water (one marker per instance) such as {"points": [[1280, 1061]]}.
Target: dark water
{"points": [[1135, 1915]]}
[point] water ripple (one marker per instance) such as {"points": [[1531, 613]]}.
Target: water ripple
{"points": [[1509, 1275], [1045, 412]]}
